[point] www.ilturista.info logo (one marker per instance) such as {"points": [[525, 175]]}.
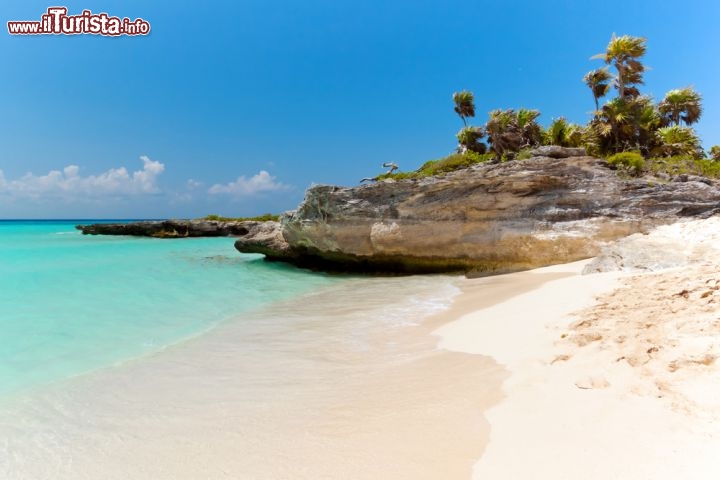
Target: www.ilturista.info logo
{"points": [[57, 22]]}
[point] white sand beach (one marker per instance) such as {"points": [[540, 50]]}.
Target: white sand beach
{"points": [[612, 375]]}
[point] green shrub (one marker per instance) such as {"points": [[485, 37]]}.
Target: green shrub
{"points": [[398, 176], [679, 165], [476, 157], [453, 162], [524, 154], [709, 168], [672, 166], [632, 161]]}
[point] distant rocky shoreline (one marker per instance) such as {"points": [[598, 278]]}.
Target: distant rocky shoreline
{"points": [[177, 228], [558, 206]]}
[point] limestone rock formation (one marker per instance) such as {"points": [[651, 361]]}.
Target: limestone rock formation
{"points": [[490, 218]]}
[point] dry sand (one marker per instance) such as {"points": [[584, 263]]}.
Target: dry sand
{"points": [[613, 375]]}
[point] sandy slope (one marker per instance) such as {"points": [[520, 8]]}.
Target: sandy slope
{"points": [[613, 375]]}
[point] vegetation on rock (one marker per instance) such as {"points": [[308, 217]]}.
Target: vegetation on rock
{"points": [[510, 131], [629, 121], [683, 165], [632, 121], [564, 134], [631, 161], [469, 140], [715, 153], [455, 161], [628, 129]]}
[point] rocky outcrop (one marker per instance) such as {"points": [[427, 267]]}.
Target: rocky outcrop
{"points": [[490, 218], [181, 228], [555, 151]]}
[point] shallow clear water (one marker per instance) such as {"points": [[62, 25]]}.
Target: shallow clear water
{"points": [[70, 303], [288, 374], [345, 381]]}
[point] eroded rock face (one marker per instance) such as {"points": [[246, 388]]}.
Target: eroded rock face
{"points": [[486, 219]]}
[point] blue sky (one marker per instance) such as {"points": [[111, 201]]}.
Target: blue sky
{"points": [[235, 107]]}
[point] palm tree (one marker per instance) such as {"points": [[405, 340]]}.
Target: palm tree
{"points": [[503, 133], [611, 125], [681, 104], [624, 54], [626, 124], [677, 140], [563, 133], [598, 82], [509, 131], [469, 140], [715, 152], [575, 135], [647, 120], [555, 133], [464, 104], [532, 132]]}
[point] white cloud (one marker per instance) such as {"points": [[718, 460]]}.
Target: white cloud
{"points": [[243, 186], [69, 183], [193, 184]]}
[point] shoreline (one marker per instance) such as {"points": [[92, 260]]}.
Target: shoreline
{"points": [[349, 385], [515, 333]]}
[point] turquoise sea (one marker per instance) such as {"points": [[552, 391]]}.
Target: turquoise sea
{"points": [[71, 304], [127, 358]]}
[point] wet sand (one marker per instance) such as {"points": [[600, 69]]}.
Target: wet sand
{"points": [[345, 383]]}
